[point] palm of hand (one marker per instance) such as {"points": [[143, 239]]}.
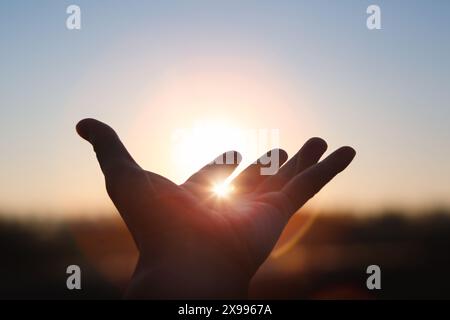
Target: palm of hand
{"points": [[190, 228]]}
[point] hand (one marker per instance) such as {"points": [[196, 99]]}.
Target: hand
{"points": [[193, 243]]}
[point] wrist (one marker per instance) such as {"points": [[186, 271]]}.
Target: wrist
{"points": [[202, 280]]}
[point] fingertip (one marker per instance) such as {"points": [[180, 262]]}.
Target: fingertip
{"points": [[93, 130], [230, 157], [349, 151], [318, 144], [82, 128], [88, 126], [282, 154], [237, 157], [345, 155]]}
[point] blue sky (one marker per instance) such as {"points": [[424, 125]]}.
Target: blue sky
{"points": [[385, 92]]}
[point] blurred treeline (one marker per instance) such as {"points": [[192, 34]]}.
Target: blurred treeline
{"points": [[319, 256]]}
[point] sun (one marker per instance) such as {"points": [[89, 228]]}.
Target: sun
{"points": [[201, 142], [223, 189]]}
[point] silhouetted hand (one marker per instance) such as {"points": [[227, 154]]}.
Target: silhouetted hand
{"points": [[193, 243]]}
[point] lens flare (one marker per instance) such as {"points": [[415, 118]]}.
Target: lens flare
{"points": [[223, 189]]}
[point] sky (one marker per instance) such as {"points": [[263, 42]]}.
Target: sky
{"points": [[191, 79]]}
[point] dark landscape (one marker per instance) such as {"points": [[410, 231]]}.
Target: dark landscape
{"points": [[324, 256]]}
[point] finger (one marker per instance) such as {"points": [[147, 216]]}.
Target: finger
{"points": [[256, 173], [110, 151], [217, 170], [307, 156], [306, 184]]}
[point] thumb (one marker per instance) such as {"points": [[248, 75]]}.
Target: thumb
{"points": [[111, 153]]}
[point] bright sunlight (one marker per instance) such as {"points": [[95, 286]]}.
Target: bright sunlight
{"points": [[223, 189]]}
